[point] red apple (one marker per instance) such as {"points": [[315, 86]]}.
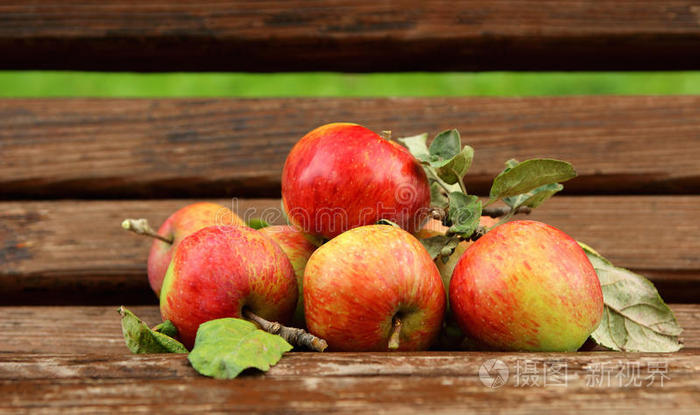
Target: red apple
{"points": [[218, 271], [180, 224], [370, 285], [298, 248], [341, 176], [526, 286]]}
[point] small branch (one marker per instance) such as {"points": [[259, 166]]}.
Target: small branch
{"points": [[460, 181], [497, 212], [293, 336], [395, 333], [437, 213], [478, 233], [141, 227]]}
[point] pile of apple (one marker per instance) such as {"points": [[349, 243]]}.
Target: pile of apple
{"points": [[351, 270]]}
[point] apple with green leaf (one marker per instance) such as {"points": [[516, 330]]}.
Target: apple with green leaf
{"points": [[342, 175], [526, 286], [373, 288], [176, 227]]}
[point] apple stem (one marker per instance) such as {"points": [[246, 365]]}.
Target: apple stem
{"points": [[141, 227], [293, 336], [395, 333], [497, 212]]}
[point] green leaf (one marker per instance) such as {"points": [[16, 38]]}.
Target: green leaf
{"points": [[635, 318], [141, 339], [446, 145], [535, 197], [257, 223], [464, 213], [167, 327], [417, 145], [450, 171], [437, 196], [437, 244], [225, 347], [529, 175]]}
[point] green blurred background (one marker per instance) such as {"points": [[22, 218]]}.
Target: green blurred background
{"points": [[100, 84]]}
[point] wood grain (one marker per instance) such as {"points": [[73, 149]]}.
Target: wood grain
{"points": [[74, 252], [73, 360], [350, 35], [112, 148], [351, 383], [96, 330]]}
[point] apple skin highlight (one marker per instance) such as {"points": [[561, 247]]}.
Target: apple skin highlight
{"points": [[341, 176]]}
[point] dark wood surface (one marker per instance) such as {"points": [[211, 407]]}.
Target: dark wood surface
{"points": [[97, 148], [74, 252], [73, 360], [96, 330], [350, 35]]}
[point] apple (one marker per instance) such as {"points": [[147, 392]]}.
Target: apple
{"points": [[373, 288], [341, 176], [298, 248], [180, 224], [218, 271], [526, 286]]}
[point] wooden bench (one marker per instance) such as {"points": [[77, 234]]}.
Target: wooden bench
{"points": [[71, 169]]}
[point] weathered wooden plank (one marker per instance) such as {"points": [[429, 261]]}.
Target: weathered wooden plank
{"points": [[33, 367], [96, 330], [88, 148], [350, 35], [448, 383], [74, 252]]}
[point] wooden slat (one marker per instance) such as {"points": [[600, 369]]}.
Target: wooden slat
{"points": [[350, 35], [95, 330], [87, 148], [74, 252], [73, 360], [352, 383], [349, 394]]}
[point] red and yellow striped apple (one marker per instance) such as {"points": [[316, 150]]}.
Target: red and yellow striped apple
{"points": [[527, 286], [218, 271], [373, 288], [180, 224], [341, 176], [298, 248]]}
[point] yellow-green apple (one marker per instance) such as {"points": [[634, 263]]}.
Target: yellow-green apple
{"points": [[341, 176], [218, 271], [298, 248], [373, 288], [176, 227], [527, 286]]}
